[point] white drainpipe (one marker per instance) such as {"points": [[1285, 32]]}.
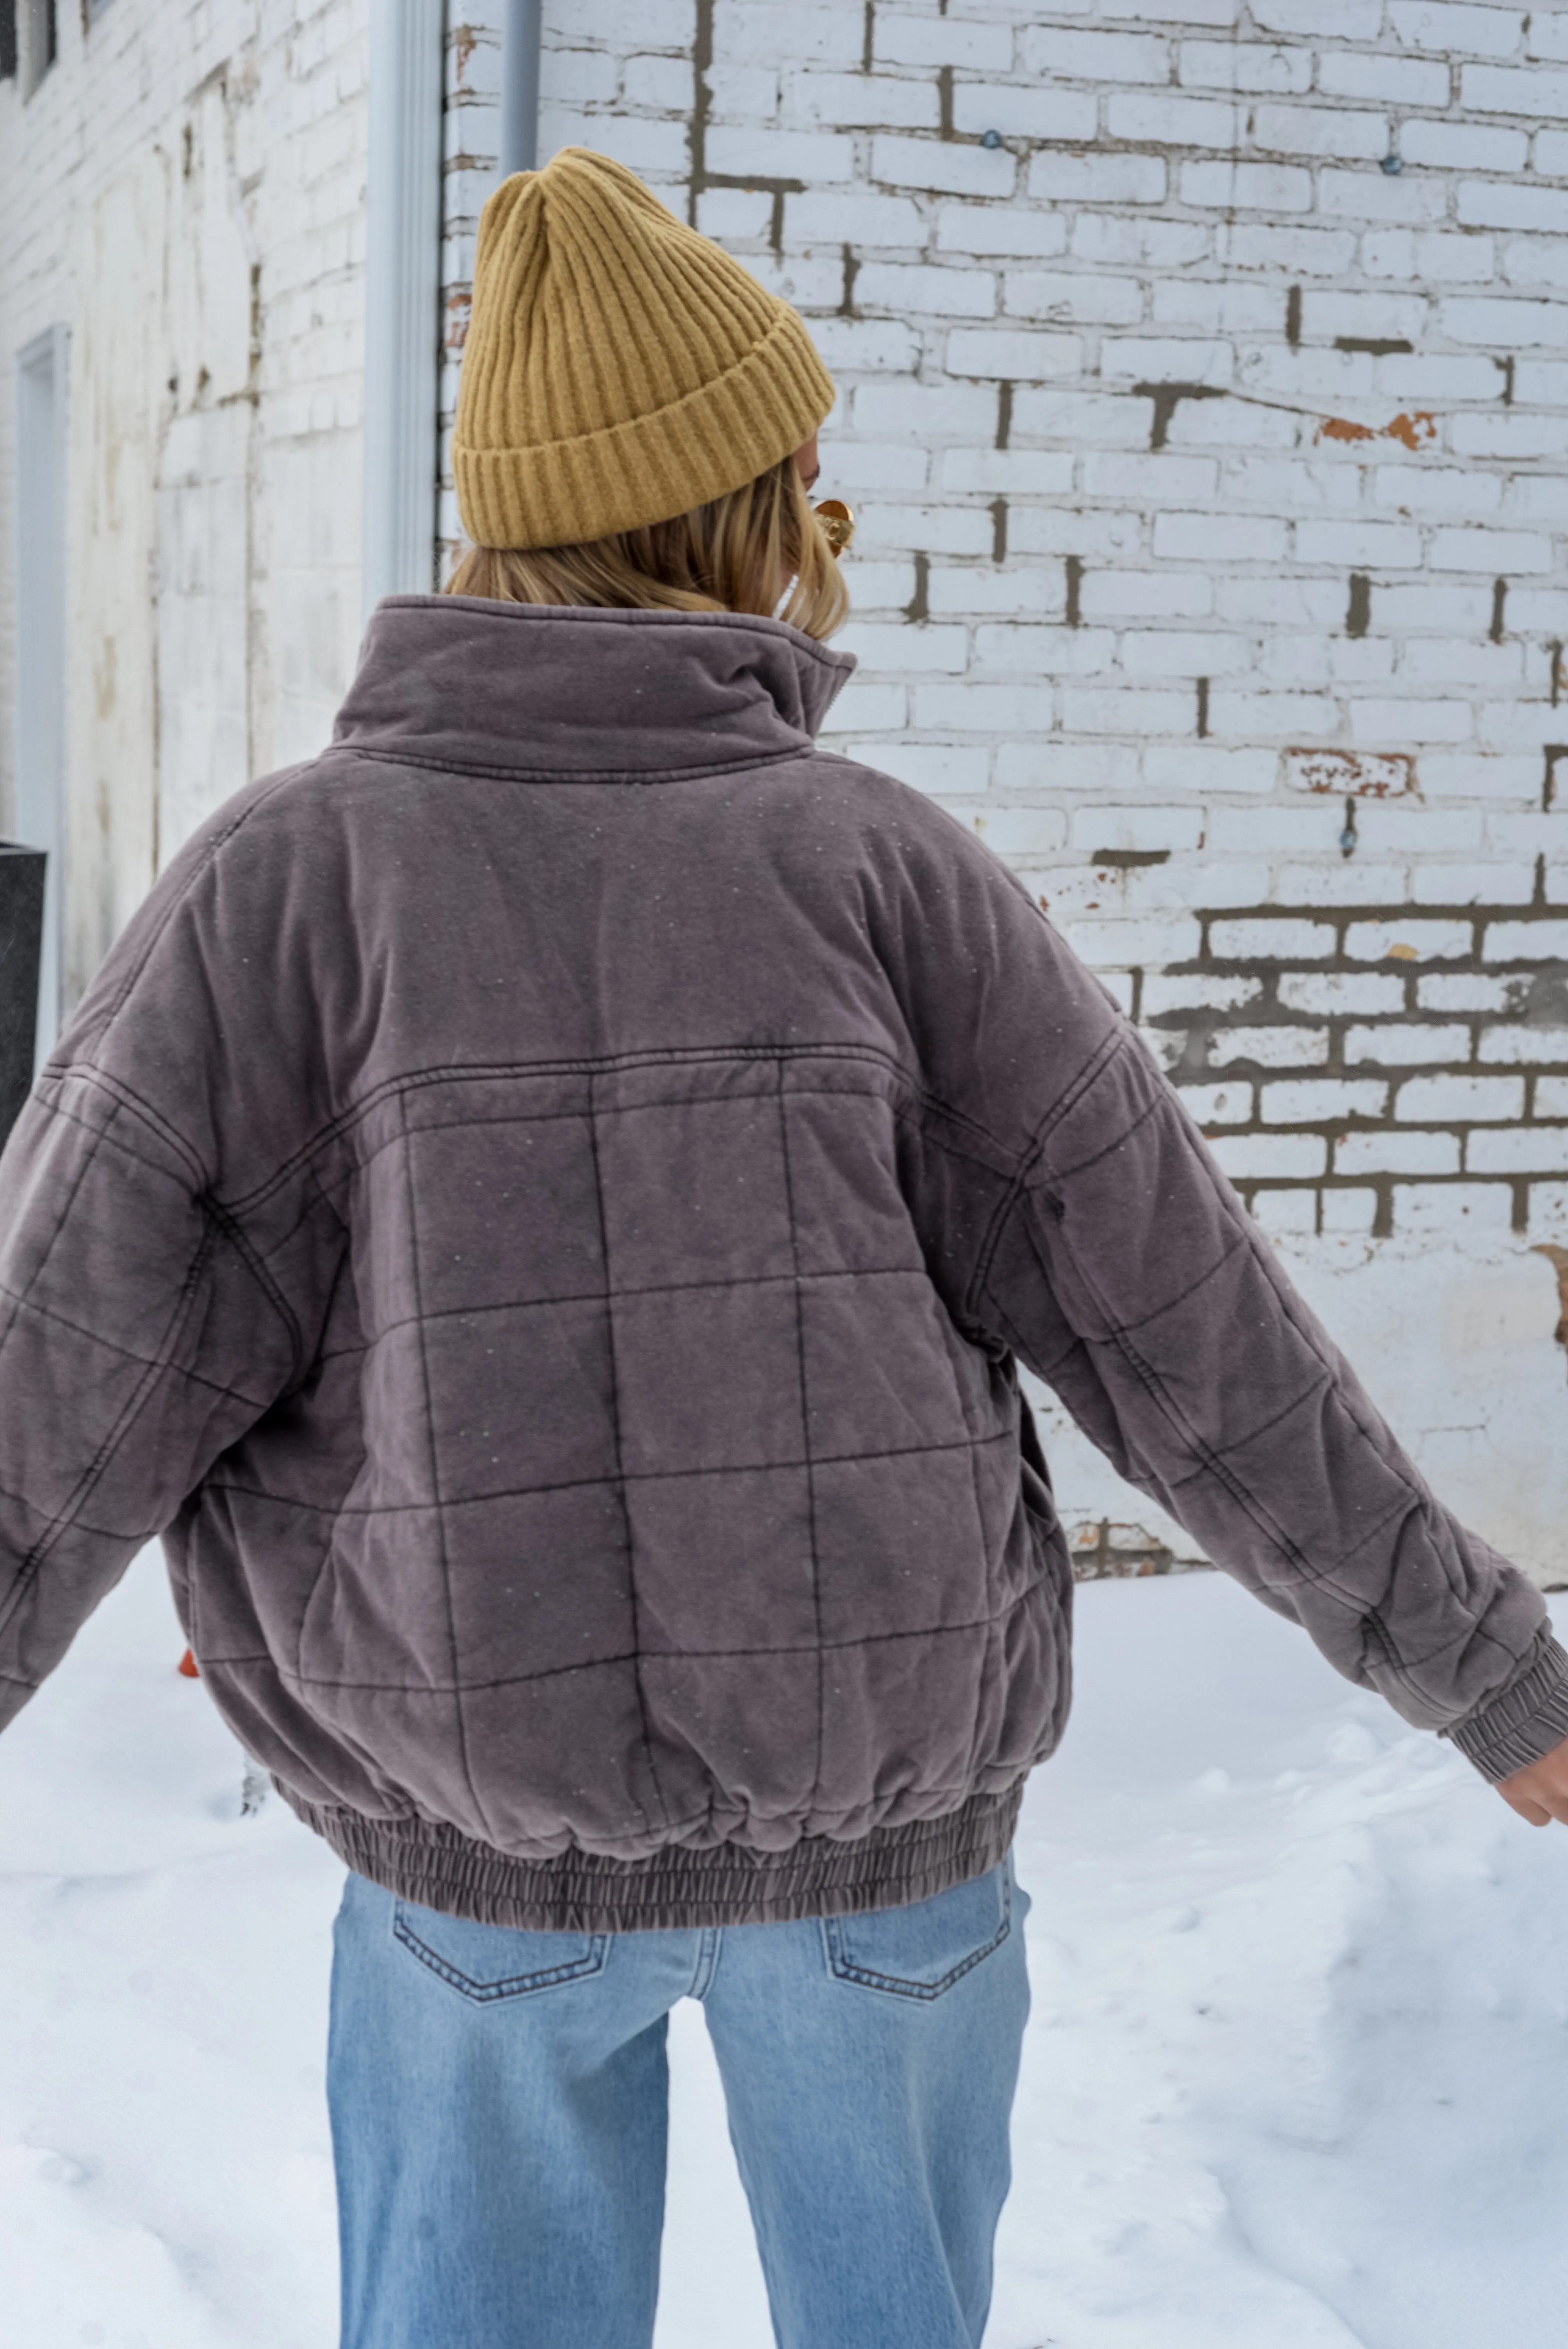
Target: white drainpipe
{"points": [[402, 301]]}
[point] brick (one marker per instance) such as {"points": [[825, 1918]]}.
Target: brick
{"points": [[1149, 119], [971, 708], [1226, 1104], [881, 646], [1252, 187], [1150, 480], [906, 287], [1370, 195], [1285, 1211], [1398, 81], [737, 90], [1007, 472], [1503, 322], [1245, 1156], [941, 41], [1552, 1096], [879, 101], [980, 587], [1176, 652], [1545, 941], [1382, 545], [1527, 1150], [1339, 991], [1041, 766], [1349, 1210], [1409, 720], [1435, 489], [1008, 352], [852, 219], [1499, 203], [865, 706], [1112, 711], [880, 587], [1279, 940], [1100, 534], [1231, 308], [1245, 538], [1507, 89], [1135, 241], [1078, 296], [1069, 115], [1174, 12], [1167, 359], [1548, 1210], [1272, 716], [1452, 1206], [1097, 178], [1314, 1100], [1145, 595], [1463, 146], [1271, 1046], [948, 170], [1430, 256], [1245, 66], [1473, 884], [1330, 885], [928, 412], [1130, 944], [1354, 136], [999, 228], [1094, 828], [1397, 1154], [1416, 1044], [750, 150], [1547, 34], [1208, 767], [1074, 55], [1452, 1100], [1450, 27], [1524, 1047], [866, 344], [1022, 834], [746, 31], [1189, 991], [1431, 941], [944, 771], [1083, 420]]}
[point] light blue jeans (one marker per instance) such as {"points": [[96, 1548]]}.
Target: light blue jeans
{"points": [[498, 2110]]}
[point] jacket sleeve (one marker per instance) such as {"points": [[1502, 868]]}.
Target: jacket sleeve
{"points": [[138, 1339], [1123, 1269], [144, 1324]]}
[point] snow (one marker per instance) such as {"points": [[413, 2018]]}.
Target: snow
{"points": [[1293, 2078]]}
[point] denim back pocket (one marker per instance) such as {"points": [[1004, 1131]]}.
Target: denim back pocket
{"points": [[490, 1963], [920, 1951]]}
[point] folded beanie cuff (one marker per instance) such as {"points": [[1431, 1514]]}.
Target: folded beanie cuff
{"points": [[650, 468]]}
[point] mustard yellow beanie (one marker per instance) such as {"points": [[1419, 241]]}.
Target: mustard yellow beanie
{"points": [[619, 368]]}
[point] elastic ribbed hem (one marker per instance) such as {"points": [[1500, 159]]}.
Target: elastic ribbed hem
{"points": [[1526, 1722], [675, 1889]]}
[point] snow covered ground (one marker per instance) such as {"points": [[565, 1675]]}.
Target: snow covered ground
{"points": [[1296, 2077]]}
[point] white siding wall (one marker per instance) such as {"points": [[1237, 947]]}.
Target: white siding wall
{"points": [[185, 192]]}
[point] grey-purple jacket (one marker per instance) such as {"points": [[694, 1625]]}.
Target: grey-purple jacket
{"points": [[541, 1211]]}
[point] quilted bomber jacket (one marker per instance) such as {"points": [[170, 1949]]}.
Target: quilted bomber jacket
{"points": [[542, 1210]]}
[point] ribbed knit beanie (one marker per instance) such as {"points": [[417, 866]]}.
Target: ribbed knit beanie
{"points": [[619, 368]]}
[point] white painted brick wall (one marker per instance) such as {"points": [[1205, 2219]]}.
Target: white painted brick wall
{"points": [[214, 420]]}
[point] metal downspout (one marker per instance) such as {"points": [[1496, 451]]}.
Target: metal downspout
{"points": [[402, 298], [520, 22]]}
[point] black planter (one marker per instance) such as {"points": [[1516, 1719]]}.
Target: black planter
{"points": [[21, 946]]}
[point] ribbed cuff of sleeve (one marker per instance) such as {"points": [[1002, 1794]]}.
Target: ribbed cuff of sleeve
{"points": [[1522, 1723]]}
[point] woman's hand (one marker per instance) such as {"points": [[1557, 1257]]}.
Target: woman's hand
{"points": [[1541, 1792]]}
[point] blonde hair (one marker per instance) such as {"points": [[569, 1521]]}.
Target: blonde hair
{"points": [[737, 554]]}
